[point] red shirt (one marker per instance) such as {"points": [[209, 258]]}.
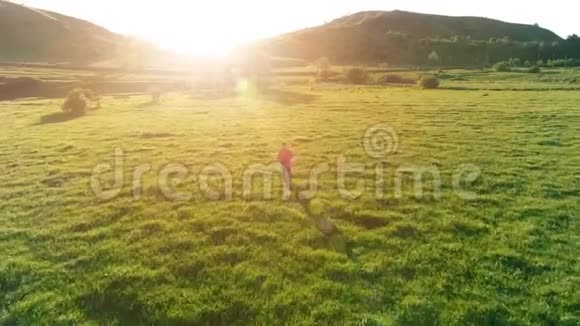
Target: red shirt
{"points": [[285, 157]]}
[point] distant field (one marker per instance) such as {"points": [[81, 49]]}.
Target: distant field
{"points": [[506, 255]]}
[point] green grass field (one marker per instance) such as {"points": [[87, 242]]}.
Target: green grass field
{"points": [[508, 256]]}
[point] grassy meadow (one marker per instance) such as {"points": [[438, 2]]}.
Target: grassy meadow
{"points": [[508, 256]]}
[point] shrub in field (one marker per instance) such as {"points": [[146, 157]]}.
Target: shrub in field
{"points": [[515, 62], [78, 101], [325, 76], [534, 70], [324, 71], [434, 57], [90, 95], [502, 67], [429, 82], [395, 79], [356, 75]]}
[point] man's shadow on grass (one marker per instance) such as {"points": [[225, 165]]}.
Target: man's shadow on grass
{"points": [[335, 239]]}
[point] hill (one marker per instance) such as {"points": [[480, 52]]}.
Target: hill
{"points": [[406, 37], [28, 34], [433, 26]]}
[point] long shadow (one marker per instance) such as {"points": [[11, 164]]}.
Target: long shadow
{"points": [[58, 117], [283, 97], [148, 104], [334, 237], [461, 88], [287, 97], [212, 96]]}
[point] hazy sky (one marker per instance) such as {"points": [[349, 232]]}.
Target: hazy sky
{"points": [[215, 25]]}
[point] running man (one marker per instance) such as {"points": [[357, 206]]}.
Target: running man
{"points": [[286, 157]]}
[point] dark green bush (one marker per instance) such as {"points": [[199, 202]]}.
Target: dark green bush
{"points": [[502, 67], [534, 70], [429, 82], [356, 76]]}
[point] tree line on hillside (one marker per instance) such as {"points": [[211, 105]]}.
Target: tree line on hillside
{"points": [[464, 51], [395, 48]]}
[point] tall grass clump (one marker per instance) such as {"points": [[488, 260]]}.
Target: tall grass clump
{"points": [[323, 69], [356, 76], [429, 82], [502, 67], [78, 101]]}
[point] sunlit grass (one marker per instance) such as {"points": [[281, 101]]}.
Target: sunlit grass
{"points": [[509, 256]]}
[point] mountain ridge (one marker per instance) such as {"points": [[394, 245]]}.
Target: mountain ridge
{"points": [[376, 36], [29, 34], [364, 17], [397, 37]]}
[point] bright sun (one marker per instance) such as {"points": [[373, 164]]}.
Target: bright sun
{"points": [[214, 45], [210, 28], [200, 28]]}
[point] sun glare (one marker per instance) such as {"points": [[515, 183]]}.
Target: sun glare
{"points": [[212, 45], [200, 28]]}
